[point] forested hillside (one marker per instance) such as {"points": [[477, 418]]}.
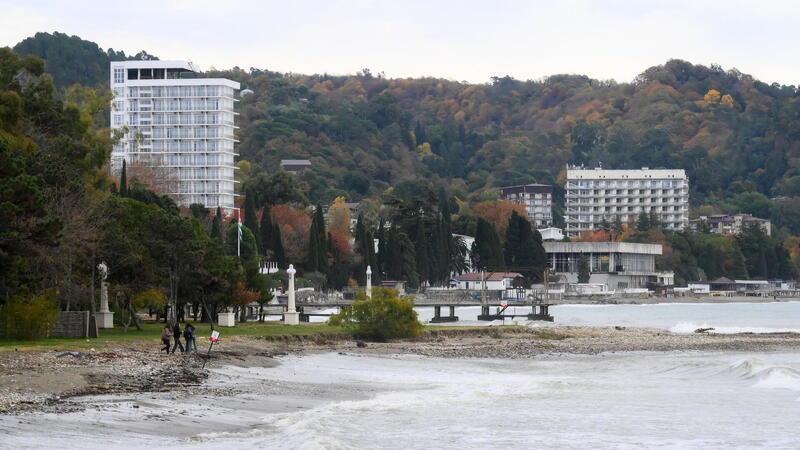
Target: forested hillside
{"points": [[737, 137], [419, 149], [70, 59]]}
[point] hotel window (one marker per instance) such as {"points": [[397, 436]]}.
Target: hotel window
{"points": [[119, 75]]}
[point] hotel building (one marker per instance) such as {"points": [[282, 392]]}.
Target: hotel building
{"points": [[537, 199], [178, 125], [597, 195]]}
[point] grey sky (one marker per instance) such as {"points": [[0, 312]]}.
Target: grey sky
{"points": [[460, 40]]}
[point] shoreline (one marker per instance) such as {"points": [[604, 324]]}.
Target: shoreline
{"points": [[689, 300], [53, 381]]}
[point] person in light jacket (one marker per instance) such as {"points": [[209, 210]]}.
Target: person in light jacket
{"points": [[166, 334]]}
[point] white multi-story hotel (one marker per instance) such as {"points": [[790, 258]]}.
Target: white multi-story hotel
{"points": [[178, 125], [537, 199], [597, 195]]}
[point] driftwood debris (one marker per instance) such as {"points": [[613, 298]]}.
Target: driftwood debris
{"points": [[703, 330]]}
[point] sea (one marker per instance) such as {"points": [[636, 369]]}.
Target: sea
{"points": [[681, 399]]}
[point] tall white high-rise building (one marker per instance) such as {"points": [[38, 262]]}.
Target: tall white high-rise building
{"points": [[597, 195], [178, 126]]}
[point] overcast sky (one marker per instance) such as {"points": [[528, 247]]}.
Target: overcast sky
{"points": [[459, 40]]}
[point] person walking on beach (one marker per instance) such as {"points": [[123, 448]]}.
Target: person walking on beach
{"points": [[176, 334], [188, 334], [166, 334]]}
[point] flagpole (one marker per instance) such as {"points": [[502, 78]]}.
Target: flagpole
{"points": [[239, 233]]}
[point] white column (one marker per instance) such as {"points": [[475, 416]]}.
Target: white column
{"points": [[291, 316], [369, 282]]}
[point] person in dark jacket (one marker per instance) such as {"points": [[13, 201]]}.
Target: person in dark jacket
{"points": [[188, 334], [176, 333], [166, 333]]}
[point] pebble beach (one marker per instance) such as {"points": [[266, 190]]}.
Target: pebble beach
{"points": [[50, 380]]}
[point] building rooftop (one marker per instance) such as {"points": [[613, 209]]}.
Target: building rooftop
{"points": [[602, 247], [635, 174], [295, 162], [138, 64], [489, 276], [531, 185]]}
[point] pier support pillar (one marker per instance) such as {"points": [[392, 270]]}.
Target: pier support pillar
{"points": [[438, 318]]}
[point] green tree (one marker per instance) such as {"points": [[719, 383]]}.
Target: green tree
{"points": [[123, 180], [250, 220], [486, 250], [583, 269], [317, 248], [382, 317], [216, 226]]}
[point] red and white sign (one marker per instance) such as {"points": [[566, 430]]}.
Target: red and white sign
{"points": [[214, 336]]}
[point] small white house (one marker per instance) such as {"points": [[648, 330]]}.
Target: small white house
{"points": [[551, 234], [495, 281]]}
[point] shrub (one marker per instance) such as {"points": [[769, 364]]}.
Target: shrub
{"points": [[28, 317], [384, 316]]}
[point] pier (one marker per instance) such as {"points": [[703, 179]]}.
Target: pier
{"points": [[444, 304]]}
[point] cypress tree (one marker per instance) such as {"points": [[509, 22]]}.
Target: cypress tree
{"points": [[739, 269], [250, 220], [266, 231], [317, 249], [487, 252], [421, 252], [381, 256], [365, 247], [583, 269], [216, 226], [277, 246], [123, 180]]}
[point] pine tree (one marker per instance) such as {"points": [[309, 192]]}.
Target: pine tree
{"points": [[250, 220], [123, 180], [739, 269], [653, 220], [266, 231], [643, 222]]}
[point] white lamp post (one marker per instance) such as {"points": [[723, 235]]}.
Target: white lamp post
{"points": [[291, 316], [369, 282]]}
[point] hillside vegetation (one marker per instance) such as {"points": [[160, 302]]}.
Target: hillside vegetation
{"points": [[737, 137]]}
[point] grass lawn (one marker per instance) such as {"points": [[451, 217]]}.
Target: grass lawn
{"points": [[151, 335]]}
